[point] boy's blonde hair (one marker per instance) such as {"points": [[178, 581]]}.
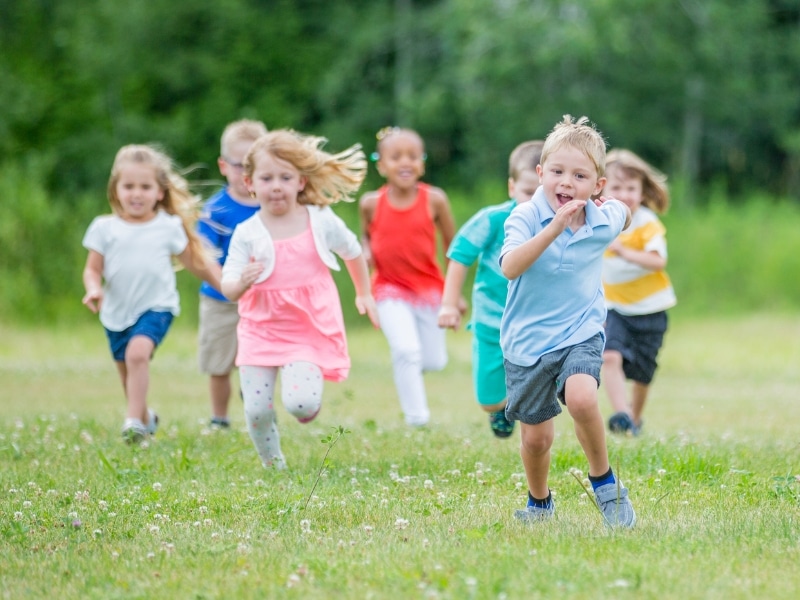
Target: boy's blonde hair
{"points": [[524, 157], [178, 200], [329, 177], [655, 194], [244, 130], [580, 134]]}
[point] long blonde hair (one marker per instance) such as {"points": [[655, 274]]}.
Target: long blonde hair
{"points": [[177, 200], [329, 177], [655, 194]]}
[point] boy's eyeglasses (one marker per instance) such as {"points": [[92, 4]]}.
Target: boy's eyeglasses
{"points": [[235, 165]]}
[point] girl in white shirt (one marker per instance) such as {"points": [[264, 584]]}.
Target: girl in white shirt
{"points": [[129, 275]]}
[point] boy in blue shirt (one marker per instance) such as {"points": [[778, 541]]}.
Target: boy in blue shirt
{"points": [[481, 239], [551, 332], [221, 214]]}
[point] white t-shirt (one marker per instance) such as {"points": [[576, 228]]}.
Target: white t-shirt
{"points": [[138, 273]]}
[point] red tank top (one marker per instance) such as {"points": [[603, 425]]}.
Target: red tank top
{"points": [[403, 245]]}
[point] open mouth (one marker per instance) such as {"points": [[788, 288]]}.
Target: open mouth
{"points": [[563, 198]]}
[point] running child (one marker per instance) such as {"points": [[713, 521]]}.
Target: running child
{"points": [[129, 275], [552, 327], [637, 288], [278, 269], [481, 239], [399, 223], [221, 213]]}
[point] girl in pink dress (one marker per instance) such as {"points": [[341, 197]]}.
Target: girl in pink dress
{"points": [[278, 269]]}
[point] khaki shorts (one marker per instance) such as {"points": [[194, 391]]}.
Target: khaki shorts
{"points": [[216, 351]]}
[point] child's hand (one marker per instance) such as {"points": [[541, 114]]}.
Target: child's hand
{"points": [[601, 200], [250, 273], [615, 247], [450, 317], [567, 212], [366, 305], [93, 300]]}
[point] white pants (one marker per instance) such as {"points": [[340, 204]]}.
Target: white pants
{"points": [[417, 344]]}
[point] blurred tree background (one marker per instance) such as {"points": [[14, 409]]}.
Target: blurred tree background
{"points": [[707, 90]]}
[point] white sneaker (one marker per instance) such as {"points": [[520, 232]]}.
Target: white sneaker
{"points": [[152, 424], [133, 431]]}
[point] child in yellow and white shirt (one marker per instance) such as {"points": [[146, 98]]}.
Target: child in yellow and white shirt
{"points": [[637, 288]]}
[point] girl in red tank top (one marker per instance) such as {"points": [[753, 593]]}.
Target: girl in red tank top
{"points": [[399, 224]]}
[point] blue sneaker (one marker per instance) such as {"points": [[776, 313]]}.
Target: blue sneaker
{"points": [[532, 514], [612, 499], [620, 422], [501, 426], [152, 423]]}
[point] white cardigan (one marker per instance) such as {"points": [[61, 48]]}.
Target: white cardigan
{"points": [[251, 239]]}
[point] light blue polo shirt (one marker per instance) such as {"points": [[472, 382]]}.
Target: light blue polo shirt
{"points": [[558, 302]]}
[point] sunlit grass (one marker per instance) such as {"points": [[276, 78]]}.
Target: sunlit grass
{"points": [[394, 513]]}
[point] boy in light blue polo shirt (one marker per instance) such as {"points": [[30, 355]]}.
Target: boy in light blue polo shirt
{"points": [[551, 332], [480, 240]]}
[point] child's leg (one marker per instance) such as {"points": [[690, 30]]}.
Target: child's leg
{"points": [[301, 389], [640, 391], [614, 381], [136, 370], [535, 444], [581, 398], [399, 326], [219, 387], [433, 339], [258, 390]]}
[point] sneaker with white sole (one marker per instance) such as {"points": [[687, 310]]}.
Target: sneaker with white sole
{"points": [[152, 423], [133, 431], [531, 514], [612, 499]]}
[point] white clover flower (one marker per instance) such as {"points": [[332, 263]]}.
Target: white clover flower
{"points": [[97, 532], [151, 555], [102, 504], [26, 504], [18, 516], [157, 487], [203, 509], [154, 529], [214, 535], [115, 555], [73, 515], [293, 580], [207, 522], [662, 472], [368, 528], [305, 526], [401, 523], [112, 514], [428, 484]]}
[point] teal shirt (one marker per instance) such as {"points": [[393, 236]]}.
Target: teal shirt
{"points": [[481, 239]]}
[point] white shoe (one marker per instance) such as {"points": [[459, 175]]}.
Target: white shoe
{"points": [[152, 424], [133, 431]]}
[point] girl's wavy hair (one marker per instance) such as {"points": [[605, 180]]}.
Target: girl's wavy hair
{"points": [[655, 193], [177, 200], [580, 134], [330, 178]]}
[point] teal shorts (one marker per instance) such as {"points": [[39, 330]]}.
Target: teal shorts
{"points": [[488, 372]]}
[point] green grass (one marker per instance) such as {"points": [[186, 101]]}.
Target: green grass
{"points": [[396, 513]]}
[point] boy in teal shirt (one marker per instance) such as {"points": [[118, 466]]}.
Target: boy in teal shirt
{"points": [[481, 239]]}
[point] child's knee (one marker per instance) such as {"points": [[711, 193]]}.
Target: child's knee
{"points": [[536, 441]]}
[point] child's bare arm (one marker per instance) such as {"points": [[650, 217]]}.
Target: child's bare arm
{"points": [[443, 216], [203, 268], [365, 303], [366, 210], [450, 312], [93, 281]]}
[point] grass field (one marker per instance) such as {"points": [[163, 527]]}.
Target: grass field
{"points": [[396, 513]]}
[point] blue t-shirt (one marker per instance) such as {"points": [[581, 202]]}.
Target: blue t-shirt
{"points": [[481, 239], [219, 217], [558, 302]]}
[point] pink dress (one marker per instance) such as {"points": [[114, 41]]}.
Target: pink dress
{"points": [[295, 314]]}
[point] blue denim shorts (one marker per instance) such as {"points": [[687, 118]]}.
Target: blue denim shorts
{"points": [[534, 392], [153, 325]]}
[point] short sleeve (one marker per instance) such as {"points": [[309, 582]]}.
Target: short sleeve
{"points": [[95, 237], [518, 228], [238, 257]]}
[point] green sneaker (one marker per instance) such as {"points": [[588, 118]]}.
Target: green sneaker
{"points": [[501, 426]]}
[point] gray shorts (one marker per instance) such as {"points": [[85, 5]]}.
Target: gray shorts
{"points": [[216, 349], [534, 392]]}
